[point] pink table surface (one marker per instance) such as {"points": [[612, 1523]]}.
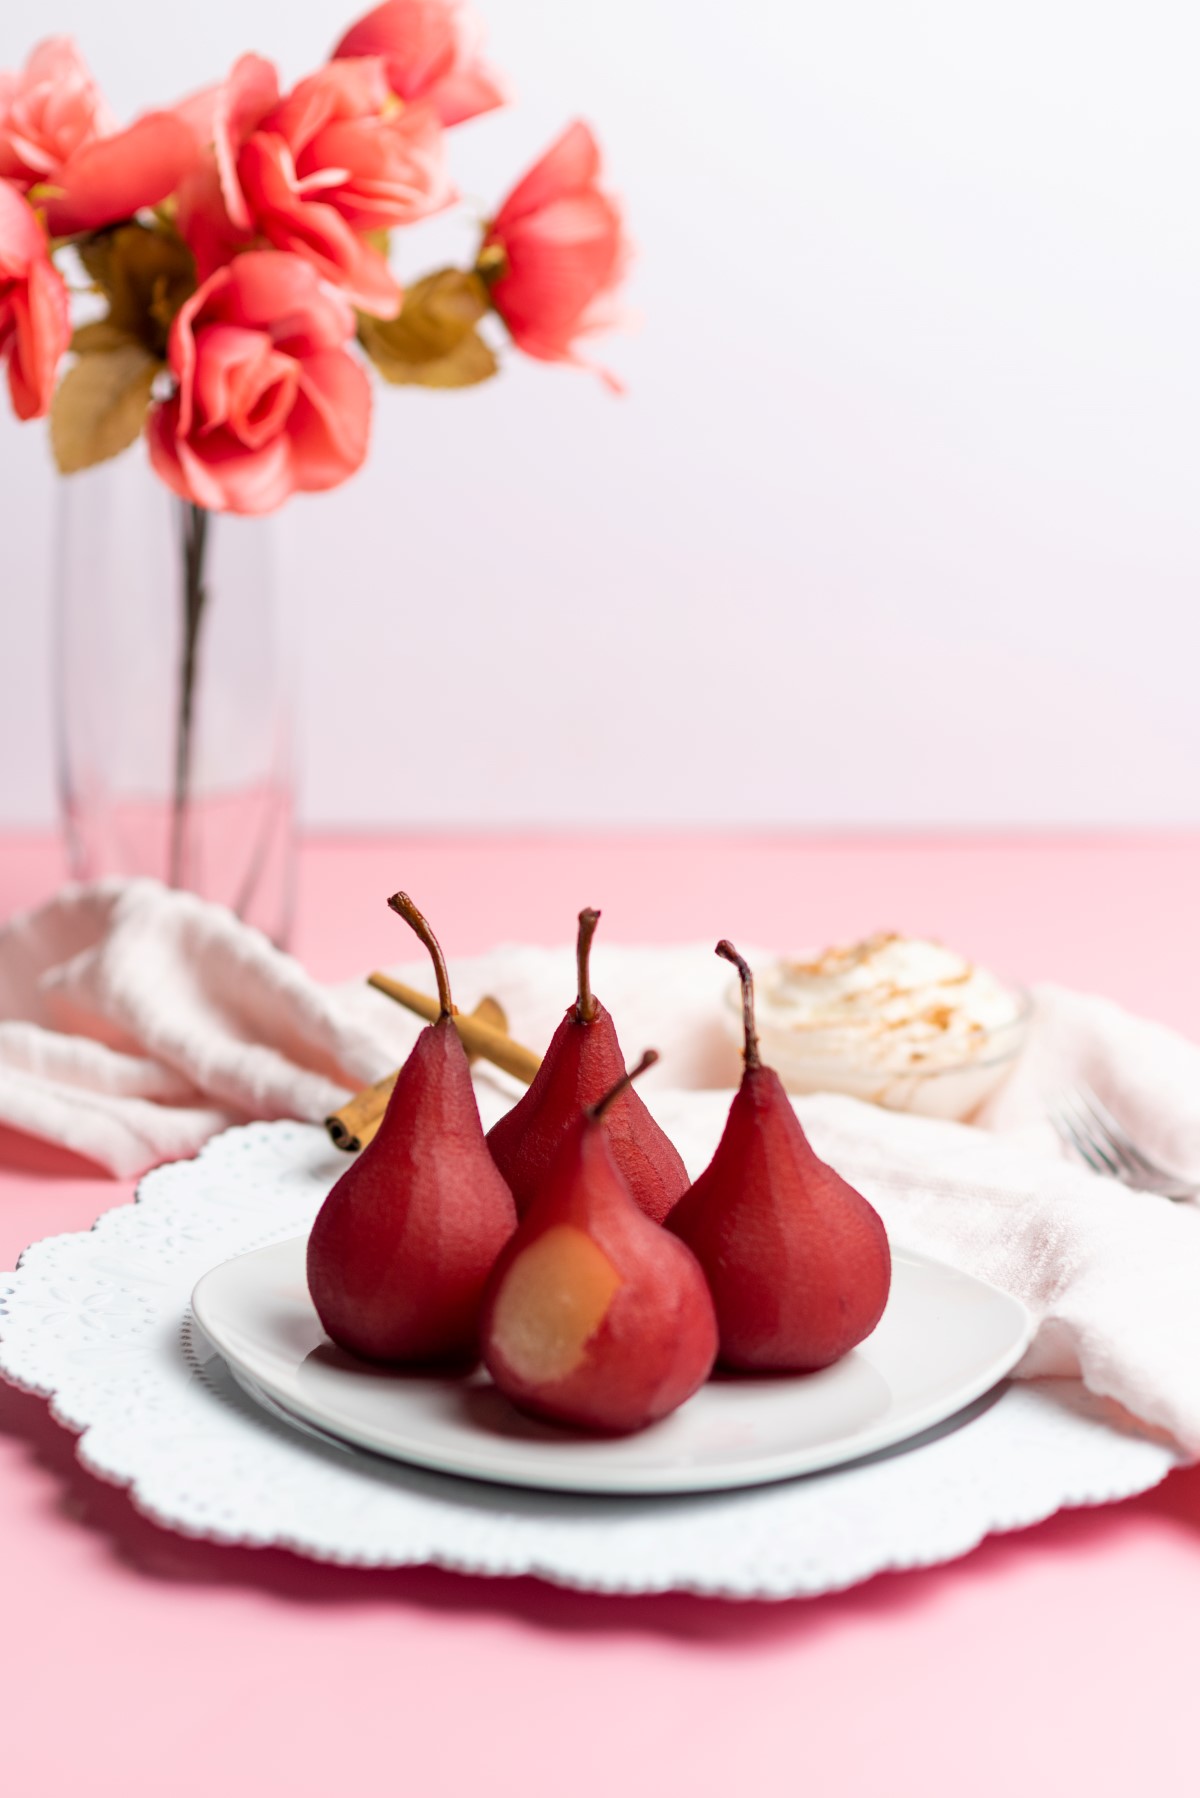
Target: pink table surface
{"points": [[1059, 1659]]}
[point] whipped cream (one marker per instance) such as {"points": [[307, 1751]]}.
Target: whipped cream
{"points": [[889, 1002]]}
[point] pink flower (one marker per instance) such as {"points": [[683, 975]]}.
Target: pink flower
{"points": [[222, 118], [559, 249], [315, 171], [269, 403], [35, 325], [114, 177], [57, 135], [431, 50], [48, 111]]}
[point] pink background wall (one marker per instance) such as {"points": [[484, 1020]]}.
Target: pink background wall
{"points": [[911, 430]]}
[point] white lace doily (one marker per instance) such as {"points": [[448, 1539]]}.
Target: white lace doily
{"points": [[99, 1323]]}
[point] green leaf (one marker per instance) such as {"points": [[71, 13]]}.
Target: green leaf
{"points": [[100, 406], [433, 342]]}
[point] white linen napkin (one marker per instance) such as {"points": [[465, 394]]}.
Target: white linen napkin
{"points": [[136, 1022]]}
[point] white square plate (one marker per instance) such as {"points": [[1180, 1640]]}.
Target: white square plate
{"points": [[944, 1339]]}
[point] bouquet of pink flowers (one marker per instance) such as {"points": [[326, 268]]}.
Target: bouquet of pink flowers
{"points": [[234, 254], [238, 244]]}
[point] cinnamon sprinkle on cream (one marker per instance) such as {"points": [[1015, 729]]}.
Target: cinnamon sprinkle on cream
{"points": [[887, 1002]]}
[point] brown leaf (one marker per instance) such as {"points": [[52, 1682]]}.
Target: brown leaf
{"points": [[95, 253], [469, 362], [146, 272], [100, 406], [100, 335], [433, 342]]}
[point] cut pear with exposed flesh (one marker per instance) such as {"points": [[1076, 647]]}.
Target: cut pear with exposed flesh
{"points": [[594, 1316], [551, 1302]]}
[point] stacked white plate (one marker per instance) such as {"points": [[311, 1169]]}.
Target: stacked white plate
{"points": [[239, 1422]]}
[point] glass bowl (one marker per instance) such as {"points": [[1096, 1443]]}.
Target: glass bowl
{"points": [[955, 1089]]}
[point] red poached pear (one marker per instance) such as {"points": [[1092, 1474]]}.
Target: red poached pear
{"points": [[402, 1247], [594, 1316], [797, 1261], [582, 1063]]}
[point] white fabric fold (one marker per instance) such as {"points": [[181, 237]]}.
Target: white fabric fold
{"points": [[136, 1022]]}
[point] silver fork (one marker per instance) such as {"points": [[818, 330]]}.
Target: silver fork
{"points": [[1086, 1125]]}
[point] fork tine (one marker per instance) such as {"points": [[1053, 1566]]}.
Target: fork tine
{"points": [[1101, 1154], [1102, 1129], [1146, 1172], [1096, 1128], [1123, 1144], [1083, 1145]]}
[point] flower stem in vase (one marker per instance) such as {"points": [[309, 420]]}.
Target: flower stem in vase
{"points": [[194, 538]]}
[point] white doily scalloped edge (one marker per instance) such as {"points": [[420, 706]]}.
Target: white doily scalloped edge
{"points": [[99, 1323]]}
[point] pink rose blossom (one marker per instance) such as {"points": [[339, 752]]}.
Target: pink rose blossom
{"points": [[431, 51], [561, 249], [313, 172], [211, 213], [48, 111], [114, 177], [269, 402], [57, 137], [35, 325]]}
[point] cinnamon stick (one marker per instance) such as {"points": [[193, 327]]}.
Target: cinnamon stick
{"points": [[353, 1124], [481, 1038]]}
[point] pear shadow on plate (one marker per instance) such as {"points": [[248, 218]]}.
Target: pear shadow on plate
{"points": [[290, 1327], [863, 1396], [487, 1408], [863, 1393], [328, 1355]]}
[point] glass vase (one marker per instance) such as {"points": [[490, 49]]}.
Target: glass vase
{"points": [[173, 695]]}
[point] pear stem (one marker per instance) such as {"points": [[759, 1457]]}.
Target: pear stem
{"points": [[597, 1110], [726, 949], [400, 902], [585, 1005]]}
